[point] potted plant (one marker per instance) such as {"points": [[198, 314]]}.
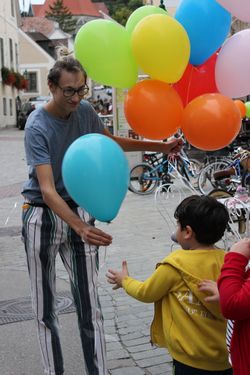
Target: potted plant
{"points": [[5, 73]]}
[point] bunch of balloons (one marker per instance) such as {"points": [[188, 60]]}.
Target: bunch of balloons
{"points": [[195, 76], [194, 73]]}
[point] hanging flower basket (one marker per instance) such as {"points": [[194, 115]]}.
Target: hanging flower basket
{"points": [[15, 79], [18, 79], [5, 73], [11, 79], [24, 84]]}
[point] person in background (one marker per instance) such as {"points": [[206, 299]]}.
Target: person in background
{"points": [[54, 224], [191, 329], [234, 297]]}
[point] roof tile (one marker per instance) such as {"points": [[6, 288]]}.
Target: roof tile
{"points": [[76, 7]]}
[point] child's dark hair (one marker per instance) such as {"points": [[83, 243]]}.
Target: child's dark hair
{"points": [[207, 217], [67, 62]]}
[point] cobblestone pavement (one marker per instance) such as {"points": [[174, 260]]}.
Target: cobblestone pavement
{"points": [[140, 236]]}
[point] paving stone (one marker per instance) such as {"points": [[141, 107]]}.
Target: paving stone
{"points": [[131, 336], [128, 371], [114, 345], [120, 363], [116, 354], [161, 369], [149, 353], [151, 361], [139, 348], [139, 341]]}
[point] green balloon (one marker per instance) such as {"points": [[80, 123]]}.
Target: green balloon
{"points": [[140, 13], [247, 105], [103, 48]]}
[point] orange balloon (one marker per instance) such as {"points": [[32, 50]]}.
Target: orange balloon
{"points": [[242, 108], [153, 109], [211, 122]]}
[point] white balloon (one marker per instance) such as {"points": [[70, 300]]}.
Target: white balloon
{"points": [[238, 8], [232, 66]]}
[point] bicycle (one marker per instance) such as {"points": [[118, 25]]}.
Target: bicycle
{"points": [[239, 216], [145, 177], [226, 174]]}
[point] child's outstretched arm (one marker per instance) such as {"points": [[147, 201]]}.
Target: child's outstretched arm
{"points": [[116, 277], [152, 289], [209, 287], [242, 247]]}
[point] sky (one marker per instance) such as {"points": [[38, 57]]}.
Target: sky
{"points": [[24, 4]]}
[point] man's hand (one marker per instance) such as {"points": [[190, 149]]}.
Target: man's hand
{"points": [[94, 236], [116, 277], [173, 146], [242, 247], [209, 287]]}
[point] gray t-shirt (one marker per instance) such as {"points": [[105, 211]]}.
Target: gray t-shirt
{"points": [[47, 139]]}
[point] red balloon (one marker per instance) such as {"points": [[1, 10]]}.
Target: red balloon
{"points": [[197, 80], [211, 122], [153, 109]]}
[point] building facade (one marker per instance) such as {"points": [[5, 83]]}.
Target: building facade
{"points": [[9, 58]]}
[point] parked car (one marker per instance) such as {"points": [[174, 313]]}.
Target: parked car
{"points": [[109, 91], [99, 87], [26, 109]]}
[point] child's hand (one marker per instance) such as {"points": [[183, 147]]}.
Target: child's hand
{"points": [[209, 287], [242, 247], [116, 277]]}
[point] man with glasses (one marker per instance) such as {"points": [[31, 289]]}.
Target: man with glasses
{"points": [[53, 223]]}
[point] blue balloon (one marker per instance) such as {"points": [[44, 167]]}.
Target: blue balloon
{"points": [[207, 24], [95, 172]]}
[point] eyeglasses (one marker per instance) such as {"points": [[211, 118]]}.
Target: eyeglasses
{"points": [[70, 91]]}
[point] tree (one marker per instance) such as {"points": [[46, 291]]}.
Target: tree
{"points": [[120, 10], [61, 14]]}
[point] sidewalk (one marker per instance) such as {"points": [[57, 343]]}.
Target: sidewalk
{"points": [[140, 236]]}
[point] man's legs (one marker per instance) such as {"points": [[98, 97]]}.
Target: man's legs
{"points": [[81, 262], [40, 230]]}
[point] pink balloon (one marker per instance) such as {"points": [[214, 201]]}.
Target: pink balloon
{"points": [[232, 66], [238, 8]]}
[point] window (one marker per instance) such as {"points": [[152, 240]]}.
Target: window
{"points": [[32, 81], [4, 107], [11, 107], [11, 54], [12, 8], [1, 53], [16, 54]]}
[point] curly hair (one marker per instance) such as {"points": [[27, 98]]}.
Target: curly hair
{"points": [[65, 61]]}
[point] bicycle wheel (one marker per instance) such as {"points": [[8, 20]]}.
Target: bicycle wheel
{"points": [[245, 181], [239, 219], [206, 181], [143, 179], [189, 171]]}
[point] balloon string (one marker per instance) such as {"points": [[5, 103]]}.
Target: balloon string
{"points": [[189, 86], [104, 259]]}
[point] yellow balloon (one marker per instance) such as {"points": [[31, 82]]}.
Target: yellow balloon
{"points": [[161, 47]]}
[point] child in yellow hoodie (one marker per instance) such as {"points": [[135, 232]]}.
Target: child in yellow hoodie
{"points": [[192, 329]]}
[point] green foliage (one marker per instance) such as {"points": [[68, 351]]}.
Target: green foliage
{"points": [[120, 10], [61, 14]]}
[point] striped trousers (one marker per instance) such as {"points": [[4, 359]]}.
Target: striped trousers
{"points": [[45, 235]]}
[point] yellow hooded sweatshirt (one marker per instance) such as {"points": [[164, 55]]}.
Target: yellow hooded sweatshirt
{"points": [[193, 331]]}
